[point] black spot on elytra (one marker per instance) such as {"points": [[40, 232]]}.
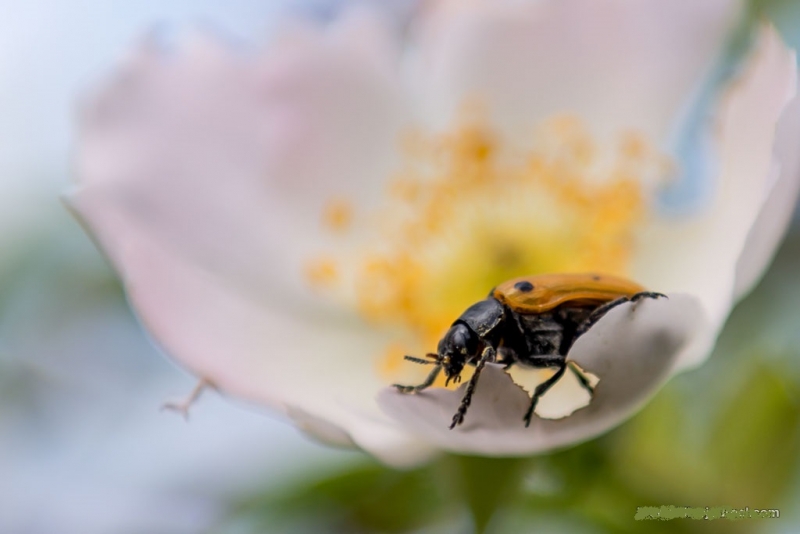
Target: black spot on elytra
{"points": [[596, 278], [524, 286]]}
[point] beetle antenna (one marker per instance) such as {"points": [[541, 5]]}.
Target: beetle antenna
{"points": [[424, 362]]}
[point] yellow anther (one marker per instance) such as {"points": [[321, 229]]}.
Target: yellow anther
{"points": [[464, 215], [338, 215], [322, 272]]}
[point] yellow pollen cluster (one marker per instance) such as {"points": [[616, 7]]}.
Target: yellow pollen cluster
{"points": [[338, 215], [466, 214], [322, 272]]}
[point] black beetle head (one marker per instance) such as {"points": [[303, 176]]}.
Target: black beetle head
{"points": [[457, 346]]}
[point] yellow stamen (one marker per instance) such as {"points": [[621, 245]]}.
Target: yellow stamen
{"points": [[322, 272], [464, 215], [338, 215]]}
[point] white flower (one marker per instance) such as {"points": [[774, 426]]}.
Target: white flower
{"points": [[288, 223]]}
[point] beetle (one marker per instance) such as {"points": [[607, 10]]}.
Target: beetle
{"points": [[531, 321]]}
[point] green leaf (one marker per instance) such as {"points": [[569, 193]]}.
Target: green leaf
{"points": [[755, 443], [366, 498], [487, 484]]}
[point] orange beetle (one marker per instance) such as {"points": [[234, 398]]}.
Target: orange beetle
{"points": [[531, 321]]}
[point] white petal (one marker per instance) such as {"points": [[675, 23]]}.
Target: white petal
{"points": [[615, 63], [631, 350], [319, 429], [698, 256], [227, 158], [385, 440], [198, 176], [316, 370], [776, 213]]}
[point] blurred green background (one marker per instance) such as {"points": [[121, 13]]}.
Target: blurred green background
{"points": [[84, 449]]}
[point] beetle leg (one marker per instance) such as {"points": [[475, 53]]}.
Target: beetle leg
{"points": [[597, 314], [647, 295], [507, 357], [427, 383], [581, 378], [540, 390], [487, 356]]}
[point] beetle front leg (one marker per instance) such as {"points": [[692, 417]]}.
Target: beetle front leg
{"points": [[487, 356], [426, 384]]}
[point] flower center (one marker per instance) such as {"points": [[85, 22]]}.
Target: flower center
{"points": [[466, 213]]}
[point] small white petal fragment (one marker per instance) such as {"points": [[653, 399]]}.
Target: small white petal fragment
{"points": [[632, 350], [563, 398]]}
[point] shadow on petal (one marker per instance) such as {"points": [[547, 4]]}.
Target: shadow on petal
{"points": [[632, 350]]}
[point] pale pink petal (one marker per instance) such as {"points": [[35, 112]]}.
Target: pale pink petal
{"points": [[776, 213], [699, 255], [319, 429], [617, 64], [388, 442], [202, 174], [228, 157], [317, 370], [631, 350]]}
